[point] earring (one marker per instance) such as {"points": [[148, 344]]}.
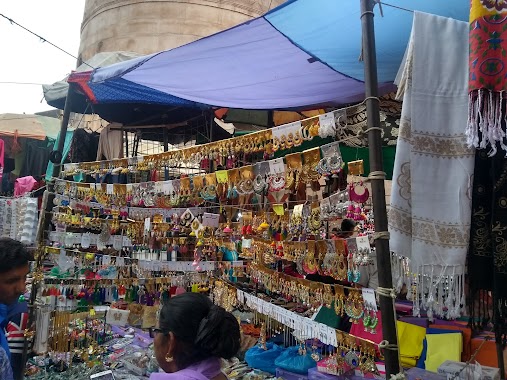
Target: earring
{"points": [[168, 358]]}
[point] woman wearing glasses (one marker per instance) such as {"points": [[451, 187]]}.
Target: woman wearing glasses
{"points": [[192, 336]]}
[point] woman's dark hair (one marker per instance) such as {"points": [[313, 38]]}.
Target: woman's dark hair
{"points": [[348, 225], [13, 254], [201, 328]]}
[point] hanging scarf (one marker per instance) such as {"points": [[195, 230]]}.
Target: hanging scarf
{"points": [[3, 324], [487, 261], [429, 217], [488, 74]]}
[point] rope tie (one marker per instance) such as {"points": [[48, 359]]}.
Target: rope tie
{"points": [[385, 345], [381, 235], [377, 175], [373, 129], [386, 292], [367, 12], [371, 98]]}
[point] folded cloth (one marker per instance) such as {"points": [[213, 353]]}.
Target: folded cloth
{"points": [[429, 218], [442, 347], [24, 185], [410, 339]]}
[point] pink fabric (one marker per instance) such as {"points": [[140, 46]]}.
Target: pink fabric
{"points": [[204, 370], [24, 185]]}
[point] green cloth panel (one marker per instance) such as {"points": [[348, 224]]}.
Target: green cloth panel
{"points": [[66, 150], [328, 317], [350, 154], [388, 154]]}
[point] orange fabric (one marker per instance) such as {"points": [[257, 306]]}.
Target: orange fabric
{"points": [[285, 117], [487, 354], [467, 338], [220, 113]]}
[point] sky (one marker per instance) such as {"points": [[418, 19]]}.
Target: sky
{"points": [[25, 59]]}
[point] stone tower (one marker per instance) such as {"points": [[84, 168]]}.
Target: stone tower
{"points": [[153, 25]]}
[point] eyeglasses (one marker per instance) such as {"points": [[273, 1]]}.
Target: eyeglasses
{"points": [[154, 331]]}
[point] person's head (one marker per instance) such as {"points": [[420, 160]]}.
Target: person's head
{"points": [[191, 329], [348, 226], [14, 266]]}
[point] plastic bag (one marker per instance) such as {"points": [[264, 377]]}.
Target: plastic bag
{"points": [[290, 360], [258, 358]]}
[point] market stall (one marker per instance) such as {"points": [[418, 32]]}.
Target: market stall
{"points": [[250, 215]]}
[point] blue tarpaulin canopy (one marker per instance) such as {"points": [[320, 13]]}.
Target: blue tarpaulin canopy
{"points": [[301, 55]]}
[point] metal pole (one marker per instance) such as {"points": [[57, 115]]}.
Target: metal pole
{"points": [[211, 123], [166, 140], [57, 167], [377, 177]]}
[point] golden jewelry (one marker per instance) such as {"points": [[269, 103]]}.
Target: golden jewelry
{"points": [[290, 140], [294, 166], [282, 142], [298, 140], [168, 359], [311, 159], [276, 144], [356, 167], [314, 129]]}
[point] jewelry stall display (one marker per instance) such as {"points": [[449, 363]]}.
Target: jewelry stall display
{"points": [[225, 214], [309, 293], [19, 219], [335, 351]]}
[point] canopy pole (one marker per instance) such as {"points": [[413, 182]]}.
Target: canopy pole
{"points": [[166, 139], [57, 167], [377, 177]]}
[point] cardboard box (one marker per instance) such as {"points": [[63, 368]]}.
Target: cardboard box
{"points": [[454, 369], [421, 374]]}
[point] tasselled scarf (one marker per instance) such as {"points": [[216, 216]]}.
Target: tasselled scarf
{"points": [[487, 75], [487, 259]]}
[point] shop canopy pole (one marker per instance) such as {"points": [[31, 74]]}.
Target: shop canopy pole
{"points": [[57, 167], [377, 177]]}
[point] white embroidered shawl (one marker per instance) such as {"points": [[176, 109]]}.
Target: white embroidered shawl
{"points": [[429, 217]]}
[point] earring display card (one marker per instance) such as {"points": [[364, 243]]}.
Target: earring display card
{"points": [[276, 166], [363, 243], [117, 317], [356, 167], [352, 246], [210, 220], [370, 298]]}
